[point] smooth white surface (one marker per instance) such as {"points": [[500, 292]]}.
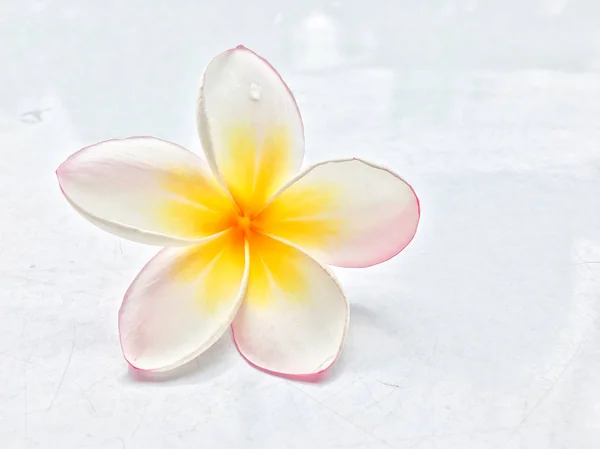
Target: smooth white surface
{"points": [[483, 333]]}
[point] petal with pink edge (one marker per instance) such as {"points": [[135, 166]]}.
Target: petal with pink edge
{"points": [[182, 302], [294, 318], [347, 213], [250, 126], [147, 190]]}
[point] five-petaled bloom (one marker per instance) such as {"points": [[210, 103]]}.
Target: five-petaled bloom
{"points": [[244, 232]]}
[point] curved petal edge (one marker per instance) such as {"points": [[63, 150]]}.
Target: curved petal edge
{"points": [[181, 303], [294, 320], [349, 213]]}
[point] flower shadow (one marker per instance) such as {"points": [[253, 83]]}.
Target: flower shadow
{"points": [[376, 343]]}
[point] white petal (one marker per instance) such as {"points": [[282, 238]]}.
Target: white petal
{"points": [[182, 302], [294, 319], [250, 126], [147, 190], [348, 213]]}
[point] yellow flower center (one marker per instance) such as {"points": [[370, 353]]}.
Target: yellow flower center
{"points": [[243, 223]]}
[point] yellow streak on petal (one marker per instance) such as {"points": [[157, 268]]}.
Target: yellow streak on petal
{"points": [[198, 206], [223, 280], [238, 164], [255, 165], [216, 268], [304, 214], [274, 164], [276, 270]]}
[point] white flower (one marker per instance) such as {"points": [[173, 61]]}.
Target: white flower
{"points": [[243, 232]]}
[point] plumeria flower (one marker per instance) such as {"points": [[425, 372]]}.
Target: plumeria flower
{"points": [[246, 233]]}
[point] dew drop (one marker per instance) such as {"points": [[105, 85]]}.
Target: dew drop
{"points": [[255, 92]]}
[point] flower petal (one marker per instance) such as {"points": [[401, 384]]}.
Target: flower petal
{"points": [[348, 213], [294, 319], [250, 126], [147, 190], [182, 302]]}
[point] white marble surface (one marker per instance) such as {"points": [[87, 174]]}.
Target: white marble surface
{"points": [[483, 334]]}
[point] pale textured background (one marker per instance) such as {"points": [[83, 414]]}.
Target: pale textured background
{"points": [[483, 334]]}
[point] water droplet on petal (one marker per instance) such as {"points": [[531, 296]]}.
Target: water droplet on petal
{"points": [[255, 92]]}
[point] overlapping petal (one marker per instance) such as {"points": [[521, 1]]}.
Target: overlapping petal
{"points": [[182, 302], [250, 126], [147, 190], [294, 318], [346, 213]]}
